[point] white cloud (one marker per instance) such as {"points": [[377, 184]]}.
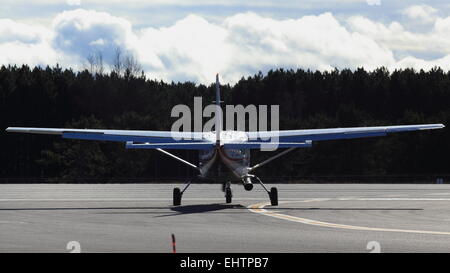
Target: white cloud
{"points": [[195, 49], [11, 31], [395, 37], [191, 48], [373, 2], [246, 43], [318, 42], [417, 64], [23, 53], [73, 2], [423, 13], [27, 44], [392, 36], [81, 32]]}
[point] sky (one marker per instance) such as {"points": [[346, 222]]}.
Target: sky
{"points": [[187, 40]]}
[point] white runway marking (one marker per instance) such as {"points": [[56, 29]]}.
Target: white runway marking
{"points": [[440, 193], [259, 208]]}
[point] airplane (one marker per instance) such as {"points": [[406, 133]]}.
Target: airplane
{"points": [[224, 155]]}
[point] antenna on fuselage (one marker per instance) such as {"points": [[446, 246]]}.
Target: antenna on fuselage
{"points": [[218, 115]]}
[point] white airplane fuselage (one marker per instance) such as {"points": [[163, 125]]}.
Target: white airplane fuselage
{"points": [[222, 165]]}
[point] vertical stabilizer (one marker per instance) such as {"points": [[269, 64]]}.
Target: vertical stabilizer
{"points": [[218, 115]]}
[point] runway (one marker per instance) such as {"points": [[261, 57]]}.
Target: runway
{"points": [[140, 218]]}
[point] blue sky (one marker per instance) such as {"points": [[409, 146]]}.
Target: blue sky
{"points": [[192, 40]]}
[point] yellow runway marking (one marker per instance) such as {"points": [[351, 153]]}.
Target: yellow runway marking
{"points": [[259, 208]]}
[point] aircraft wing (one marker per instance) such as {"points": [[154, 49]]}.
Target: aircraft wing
{"points": [[133, 138], [136, 139], [294, 138]]}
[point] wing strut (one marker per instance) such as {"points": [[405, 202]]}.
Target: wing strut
{"points": [[178, 158], [270, 159]]}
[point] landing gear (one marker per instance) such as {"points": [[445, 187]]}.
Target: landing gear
{"points": [[228, 196], [177, 194], [177, 197], [273, 193], [228, 193]]}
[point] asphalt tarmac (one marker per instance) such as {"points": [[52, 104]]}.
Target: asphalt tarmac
{"points": [[141, 218]]}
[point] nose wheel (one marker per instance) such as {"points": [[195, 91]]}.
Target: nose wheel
{"points": [[228, 193]]}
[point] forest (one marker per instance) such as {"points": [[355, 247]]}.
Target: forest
{"points": [[54, 97]]}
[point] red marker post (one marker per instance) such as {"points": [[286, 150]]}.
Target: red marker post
{"points": [[174, 244]]}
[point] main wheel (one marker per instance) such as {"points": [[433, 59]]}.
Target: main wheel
{"points": [[176, 196], [228, 195], [273, 196]]}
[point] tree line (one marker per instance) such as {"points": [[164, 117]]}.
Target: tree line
{"points": [[62, 98]]}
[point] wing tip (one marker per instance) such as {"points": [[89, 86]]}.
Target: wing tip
{"points": [[431, 127], [436, 126]]}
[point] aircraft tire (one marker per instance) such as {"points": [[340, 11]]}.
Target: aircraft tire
{"points": [[273, 196], [228, 196], [176, 196]]}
